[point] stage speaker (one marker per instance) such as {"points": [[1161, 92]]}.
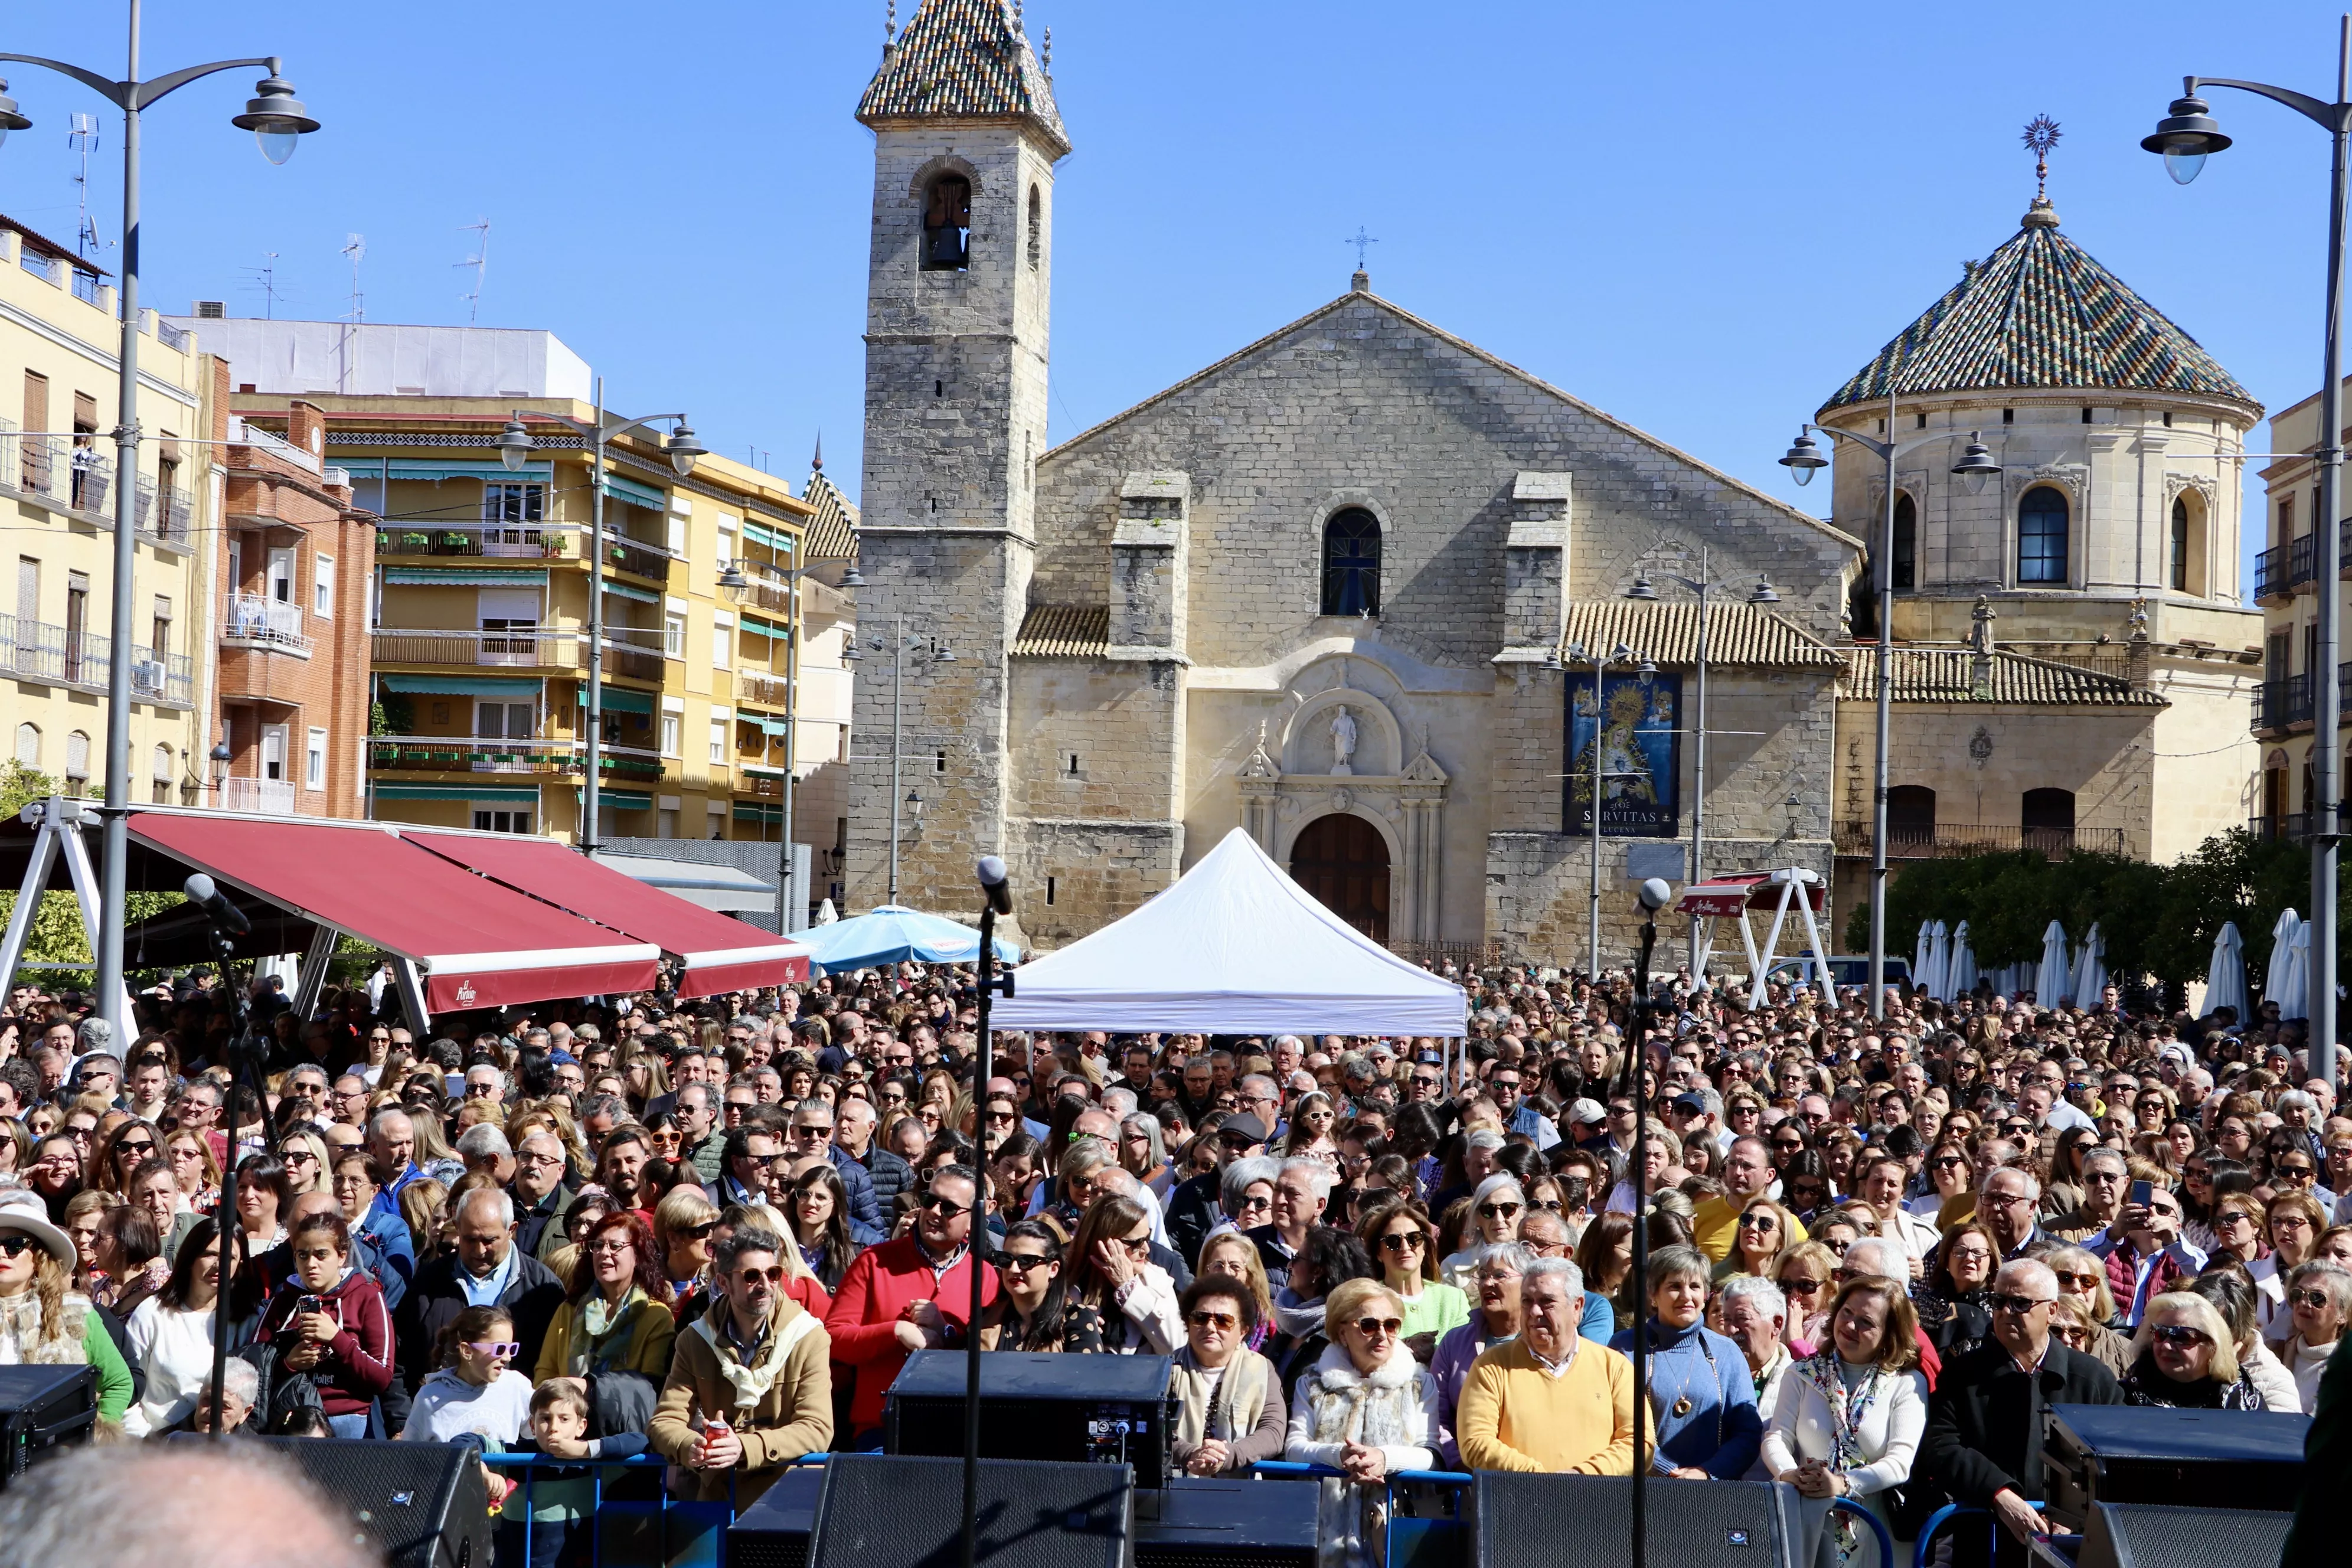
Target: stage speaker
{"points": [[419, 1505], [1217, 1524], [1078, 1409], [881, 1511], [2152, 1535], [1573, 1521], [774, 1531], [2117, 1453], [42, 1409]]}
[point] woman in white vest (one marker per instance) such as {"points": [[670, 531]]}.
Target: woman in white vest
{"points": [[1367, 1410]]}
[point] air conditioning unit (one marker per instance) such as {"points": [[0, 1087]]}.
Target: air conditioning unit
{"points": [[212, 310], [147, 675]]}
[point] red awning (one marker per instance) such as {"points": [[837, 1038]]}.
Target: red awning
{"points": [[480, 944], [721, 955], [1727, 895]]}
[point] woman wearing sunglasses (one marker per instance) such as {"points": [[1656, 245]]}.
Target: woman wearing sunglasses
{"points": [[1115, 1289], [1496, 1211], [2319, 1298], [1229, 1412], [2184, 1359], [42, 1318], [1398, 1237], [1368, 1410]]}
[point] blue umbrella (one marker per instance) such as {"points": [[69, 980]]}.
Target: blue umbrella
{"points": [[893, 933]]}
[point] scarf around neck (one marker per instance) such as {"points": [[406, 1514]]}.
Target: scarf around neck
{"points": [[750, 1381]]}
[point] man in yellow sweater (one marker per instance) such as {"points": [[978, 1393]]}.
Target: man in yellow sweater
{"points": [[1548, 1401], [1747, 1175]]}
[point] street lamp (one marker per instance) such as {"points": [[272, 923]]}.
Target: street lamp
{"points": [[735, 583], [1645, 592], [515, 448], [278, 119], [1975, 467], [2185, 137], [898, 643]]}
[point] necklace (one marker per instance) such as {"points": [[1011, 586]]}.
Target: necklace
{"points": [[1682, 1403]]}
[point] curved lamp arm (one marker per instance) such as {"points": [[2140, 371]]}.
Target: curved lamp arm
{"points": [[2330, 117], [134, 95]]}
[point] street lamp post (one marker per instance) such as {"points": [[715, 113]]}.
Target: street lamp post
{"points": [[514, 450], [940, 653], [733, 582], [1762, 593], [1976, 468], [2185, 137], [277, 120]]}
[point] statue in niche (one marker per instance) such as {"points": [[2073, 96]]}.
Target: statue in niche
{"points": [[1343, 740]]}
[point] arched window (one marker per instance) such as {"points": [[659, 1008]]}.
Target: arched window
{"points": [[1906, 544], [1036, 227], [2048, 817], [28, 745], [2179, 544], [1911, 811], [77, 755], [947, 225], [2042, 536], [1351, 563]]}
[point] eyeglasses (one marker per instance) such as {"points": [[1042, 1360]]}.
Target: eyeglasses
{"points": [[774, 1276], [527, 1159], [694, 1232], [1803, 1286], [2318, 1301], [1410, 1241], [15, 1246], [2021, 1305], [1500, 1211], [1380, 1328], [291, 1156], [611, 1246], [2072, 1282], [820, 1133], [509, 1348], [1022, 1262], [1138, 1246], [2296, 1173], [948, 1207], [1944, 1161], [147, 1146], [2180, 1334], [1759, 1221], [1000, 1119], [1225, 1322]]}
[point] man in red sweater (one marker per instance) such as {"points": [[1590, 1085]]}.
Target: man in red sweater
{"points": [[908, 1295]]}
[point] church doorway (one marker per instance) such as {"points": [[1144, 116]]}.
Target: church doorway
{"points": [[1344, 862]]}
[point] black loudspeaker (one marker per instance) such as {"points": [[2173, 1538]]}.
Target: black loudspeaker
{"points": [[881, 1510], [2150, 1535], [1574, 1522], [2115, 1453], [1217, 1524], [1076, 1409], [43, 1408], [420, 1505]]}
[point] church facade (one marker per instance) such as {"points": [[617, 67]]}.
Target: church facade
{"points": [[1346, 588], [1329, 589]]}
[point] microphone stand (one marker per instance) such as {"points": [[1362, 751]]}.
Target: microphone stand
{"points": [[1636, 1064], [982, 1069], [243, 1060]]}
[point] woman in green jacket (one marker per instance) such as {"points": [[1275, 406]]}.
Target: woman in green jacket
{"points": [[42, 1320]]}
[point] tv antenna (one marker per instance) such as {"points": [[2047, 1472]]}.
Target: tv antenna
{"points": [[479, 261], [83, 139], [265, 277], [354, 250]]}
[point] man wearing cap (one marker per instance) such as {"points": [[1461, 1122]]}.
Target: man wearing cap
{"points": [[1194, 1207]]}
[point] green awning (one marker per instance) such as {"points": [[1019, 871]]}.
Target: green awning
{"points": [[464, 685], [434, 468], [759, 627], [619, 799], [635, 494], [762, 722], [489, 795], [767, 536], [463, 577], [630, 591], [746, 812], [620, 700]]}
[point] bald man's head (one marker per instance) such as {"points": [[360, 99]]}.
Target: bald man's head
{"points": [[184, 1505]]}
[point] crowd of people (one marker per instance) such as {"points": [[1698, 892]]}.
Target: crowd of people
{"points": [[714, 1231]]}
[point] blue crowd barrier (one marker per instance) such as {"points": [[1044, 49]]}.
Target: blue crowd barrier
{"points": [[1413, 1539], [1944, 1515], [1877, 1528], [650, 1531]]}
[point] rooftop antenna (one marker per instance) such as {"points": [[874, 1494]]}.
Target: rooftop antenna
{"points": [[2040, 135], [265, 277], [83, 139], [480, 262], [355, 251]]}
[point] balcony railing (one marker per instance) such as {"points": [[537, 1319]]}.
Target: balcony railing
{"points": [[52, 470], [33, 650], [2283, 567], [519, 648], [258, 618], [767, 691], [275, 796], [760, 593], [2280, 703], [168, 513], [1951, 840], [643, 560], [473, 754], [528, 541]]}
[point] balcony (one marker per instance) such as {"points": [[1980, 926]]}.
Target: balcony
{"points": [[540, 650], [528, 541], [479, 755], [273, 796], [646, 561], [166, 513], [54, 472], [259, 620], [2285, 567], [1953, 840], [762, 593], [765, 690], [2280, 703]]}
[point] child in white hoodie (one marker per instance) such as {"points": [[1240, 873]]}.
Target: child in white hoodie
{"points": [[475, 1392]]}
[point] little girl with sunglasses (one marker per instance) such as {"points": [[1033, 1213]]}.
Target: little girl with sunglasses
{"points": [[477, 1391]]}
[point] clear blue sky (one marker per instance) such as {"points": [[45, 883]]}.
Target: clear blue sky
{"points": [[1700, 217]]}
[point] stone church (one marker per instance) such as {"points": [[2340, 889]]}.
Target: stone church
{"points": [[1346, 588]]}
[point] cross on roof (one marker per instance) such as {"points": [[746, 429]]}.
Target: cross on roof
{"points": [[1362, 242]]}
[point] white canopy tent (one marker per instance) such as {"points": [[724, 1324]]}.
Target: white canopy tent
{"points": [[1234, 948]]}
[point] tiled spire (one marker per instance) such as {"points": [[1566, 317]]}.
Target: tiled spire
{"points": [[963, 59]]}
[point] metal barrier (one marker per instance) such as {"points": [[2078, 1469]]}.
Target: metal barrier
{"points": [[1944, 1515], [1411, 1539], [652, 1531], [1877, 1528]]}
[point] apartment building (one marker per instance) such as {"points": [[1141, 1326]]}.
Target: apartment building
{"points": [[479, 588], [60, 337], [2287, 587]]}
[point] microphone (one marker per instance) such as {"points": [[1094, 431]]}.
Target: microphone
{"points": [[995, 882], [206, 895]]}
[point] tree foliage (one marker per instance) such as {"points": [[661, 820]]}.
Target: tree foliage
{"points": [[2155, 920]]}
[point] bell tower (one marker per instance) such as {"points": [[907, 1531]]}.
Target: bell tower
{"points": [[966, 138]]}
